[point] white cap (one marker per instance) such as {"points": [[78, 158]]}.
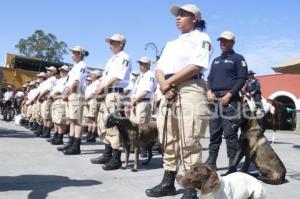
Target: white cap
{"points": [[98, 73], [32, 83], [9, 86], [227, 35], [24, 85], [116, 37], [51, 68], [187, 7], [77, 49], [64, 67], [42, 74], [89, 79], [145, 60]]}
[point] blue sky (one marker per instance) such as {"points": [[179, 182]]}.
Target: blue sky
{"points": [[267, 31]]}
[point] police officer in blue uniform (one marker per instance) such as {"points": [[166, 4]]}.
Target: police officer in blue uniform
{"points": [[226, 78], [253, 89]]}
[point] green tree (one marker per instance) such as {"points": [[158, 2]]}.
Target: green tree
{"points": [[44, 46]]}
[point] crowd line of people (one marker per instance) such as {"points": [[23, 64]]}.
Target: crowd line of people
{"points": [[75, 100]]}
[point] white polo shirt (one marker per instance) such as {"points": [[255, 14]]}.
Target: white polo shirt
{"points": [[118, 66], [78, 73], [48, 84], [188, 49], [8, 95], [130, 86], [145, 82], [91, 89], [59, 85], [31, 95]]}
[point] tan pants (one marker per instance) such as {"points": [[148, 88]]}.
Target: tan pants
{"points": [[58, 112], [75, 107], [109, 136], [181, 141], [84, 119], [92, 107], [29, 113], [46, 110], [37, 112], [141, 113]]}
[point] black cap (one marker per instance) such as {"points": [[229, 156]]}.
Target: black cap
{"points": [[250, 72]]}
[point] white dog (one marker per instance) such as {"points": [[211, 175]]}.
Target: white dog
{"points": [[210, 185]]}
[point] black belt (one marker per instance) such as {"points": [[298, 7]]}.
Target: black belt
{"points": [[115, 90], [144, 100], [197, 76]]}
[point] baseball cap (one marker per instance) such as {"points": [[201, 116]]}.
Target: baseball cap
{"points": [[98, 73], [32, 83], [77, 49], [42, 74], [116, 37], [250, 72], [187, 7], [144, 60], [51, 68], [89, 78], [227, 35], [64, 67]]}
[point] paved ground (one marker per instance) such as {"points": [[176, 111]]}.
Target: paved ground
{"points": [[32, 168]]}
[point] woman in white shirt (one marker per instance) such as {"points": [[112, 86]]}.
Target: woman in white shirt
{"points": [[183, 104], [74, 94]]}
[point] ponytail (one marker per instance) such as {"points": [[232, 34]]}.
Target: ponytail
{"points": [[201, 24], [86, 53]]}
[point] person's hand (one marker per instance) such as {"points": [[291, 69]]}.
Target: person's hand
{"points": [[133, 102], [225, 99], [171, 94], [211, 96], [164, 87], [100, 90]]}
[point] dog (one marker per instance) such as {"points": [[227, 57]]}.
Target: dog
{"points": [[256, 148], [145, 135], [211, 185]]}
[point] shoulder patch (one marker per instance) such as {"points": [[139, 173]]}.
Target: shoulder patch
{"points": [[206, 45], [243, 63]]}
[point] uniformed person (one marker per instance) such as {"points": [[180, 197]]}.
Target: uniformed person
{"points": [[128, 92], [115, 79], [74, 95], [183, 104], [252, 88], [58, 110], [29, 102], [92, 105], [85, 120], [227, 76], [143, 90], [37, 105], [44, 91]]}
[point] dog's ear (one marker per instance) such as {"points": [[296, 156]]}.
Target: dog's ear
{"points": [[185, 181], [211, 184]]}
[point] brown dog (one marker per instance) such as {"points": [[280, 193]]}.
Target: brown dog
{"points": [[145, 135], [256, 148], [212, 186]]}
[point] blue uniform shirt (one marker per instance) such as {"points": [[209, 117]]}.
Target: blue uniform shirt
{"points": [[226, 70]]}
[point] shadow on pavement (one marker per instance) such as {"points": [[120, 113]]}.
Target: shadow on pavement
{"points": [[41, 185], [7, 133]]}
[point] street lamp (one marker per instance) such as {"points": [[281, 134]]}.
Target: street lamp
{"points": [[153, 46]]}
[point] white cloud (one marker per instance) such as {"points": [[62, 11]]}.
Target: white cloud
{"points": [[263, 54]]}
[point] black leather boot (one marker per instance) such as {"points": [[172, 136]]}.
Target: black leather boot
{"points": [[39, 131], [92, 138], [53, 137], [211, 161], [114, 162], [231, 167], [34, 126], [88, 135], [58, 140], [165, 188], [74, 149], [189, 194], [66, 146], [107, 154], [47, 132]]}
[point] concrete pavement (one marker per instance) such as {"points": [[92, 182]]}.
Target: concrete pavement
{"points": [[32, 168]]}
